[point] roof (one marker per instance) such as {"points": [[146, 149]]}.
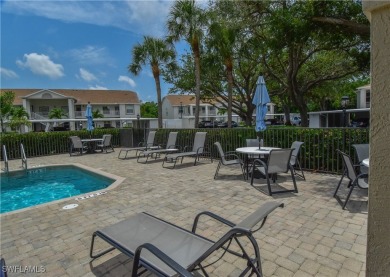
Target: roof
{"points": [[83, 95], [341, 111], [365, 87], [185, 100]]}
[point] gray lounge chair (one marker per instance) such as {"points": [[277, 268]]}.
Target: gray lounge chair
{"points": [[278, 162], [228, 158], [143, 146], [355, 180], [171, 147], [197, 151], [296, 146], [188, 249], [76, 145], [106, 143]]}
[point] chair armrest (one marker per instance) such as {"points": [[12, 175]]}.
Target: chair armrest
{"points": [[142, 143], [260, 161], [161, 256], [212, 215], [185, 148], [232, 155], [231, 152]]}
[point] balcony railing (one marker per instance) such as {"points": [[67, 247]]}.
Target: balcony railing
{"points": [[81, 114]]}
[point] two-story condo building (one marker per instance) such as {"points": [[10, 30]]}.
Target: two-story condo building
{"points": [[119, 107]]}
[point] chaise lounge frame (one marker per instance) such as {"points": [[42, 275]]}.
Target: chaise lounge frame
{"points": [[186, 248]]}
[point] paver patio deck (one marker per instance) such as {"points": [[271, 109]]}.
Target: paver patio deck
{"points": [[311, 236]]}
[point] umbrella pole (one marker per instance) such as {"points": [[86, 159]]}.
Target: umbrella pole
{"points": [[261, 140]]}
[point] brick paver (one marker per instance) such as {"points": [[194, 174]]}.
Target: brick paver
{"points": [[311, 236]]}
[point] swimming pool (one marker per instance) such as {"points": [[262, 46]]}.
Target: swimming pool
{"points": [[21, 189]]}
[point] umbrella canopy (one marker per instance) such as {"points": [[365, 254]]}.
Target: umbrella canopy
{"points": [[260, 101], [88, 115]]}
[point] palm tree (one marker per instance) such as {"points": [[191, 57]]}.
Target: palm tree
{"points": [[57, 113], [223, 38], [97, 114], [19, 117], [156, 53], [187, 20]]}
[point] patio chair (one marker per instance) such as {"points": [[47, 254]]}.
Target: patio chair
{"points": [[187, 248], [106, 143], [253, 143], [278, 162], [355, 180], [77, 145], [169, 148], [142, 146], [197, 151], [296, 146], [228, 158], [362, 152]]}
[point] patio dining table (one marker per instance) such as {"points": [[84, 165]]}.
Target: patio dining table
{"points": [[91, 143], [247, 151]]}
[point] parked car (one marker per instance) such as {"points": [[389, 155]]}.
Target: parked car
{"points": [[225, 124], [206, 124], [361, 122], [295, 120]]}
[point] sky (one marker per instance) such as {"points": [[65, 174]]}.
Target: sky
{"points": [[79, 44]]}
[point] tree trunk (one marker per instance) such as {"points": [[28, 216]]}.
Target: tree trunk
{"points": [[229, 72], [156, 75], [197, 83]]}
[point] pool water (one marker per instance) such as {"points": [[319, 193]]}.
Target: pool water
{"points": [[41, 185]]}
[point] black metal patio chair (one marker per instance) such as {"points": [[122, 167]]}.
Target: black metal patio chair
{"points": [[355, 180]]}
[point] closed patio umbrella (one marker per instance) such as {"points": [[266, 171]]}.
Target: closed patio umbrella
{"points": [[88, 115], [260, 101]]}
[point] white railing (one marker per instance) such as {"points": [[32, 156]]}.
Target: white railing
{"points": [[39, 115], [81, 114], [5, 159]]}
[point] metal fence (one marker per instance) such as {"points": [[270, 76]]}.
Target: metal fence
{"points": [[318, 152]]}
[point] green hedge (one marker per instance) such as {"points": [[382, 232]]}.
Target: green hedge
{"points": [[317, 154]]}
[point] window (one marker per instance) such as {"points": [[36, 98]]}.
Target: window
{"points": [[368, 96], [212, 108], [44, 110], [106, 110], [203, 109], [129, 109]]}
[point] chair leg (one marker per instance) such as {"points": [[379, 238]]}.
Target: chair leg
{"points": [[293, 179], [268, 184], [349, 195], [300, 168], [216, 172], [338, 186]]}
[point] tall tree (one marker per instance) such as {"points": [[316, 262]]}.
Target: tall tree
{"points": [[300, 54], [6, 107], [157, 53], [149, 110], [222, 38], [187, 21]]}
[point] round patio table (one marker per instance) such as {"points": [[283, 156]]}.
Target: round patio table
{"points": [[253, 151]]}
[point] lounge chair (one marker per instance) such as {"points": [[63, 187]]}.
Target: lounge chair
{"points": [[171, 147], [278, 162], [142, 146], [77, 145], [228, 158], [188, 249], [294, 161], [197, 151], [106, 143], [355, 180]]}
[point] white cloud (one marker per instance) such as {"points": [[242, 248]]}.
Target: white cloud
{"points": [[90, 55], [41, 64], [127, 80], [8, 73], [97, 87], [87, 76], [141, 17]]}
